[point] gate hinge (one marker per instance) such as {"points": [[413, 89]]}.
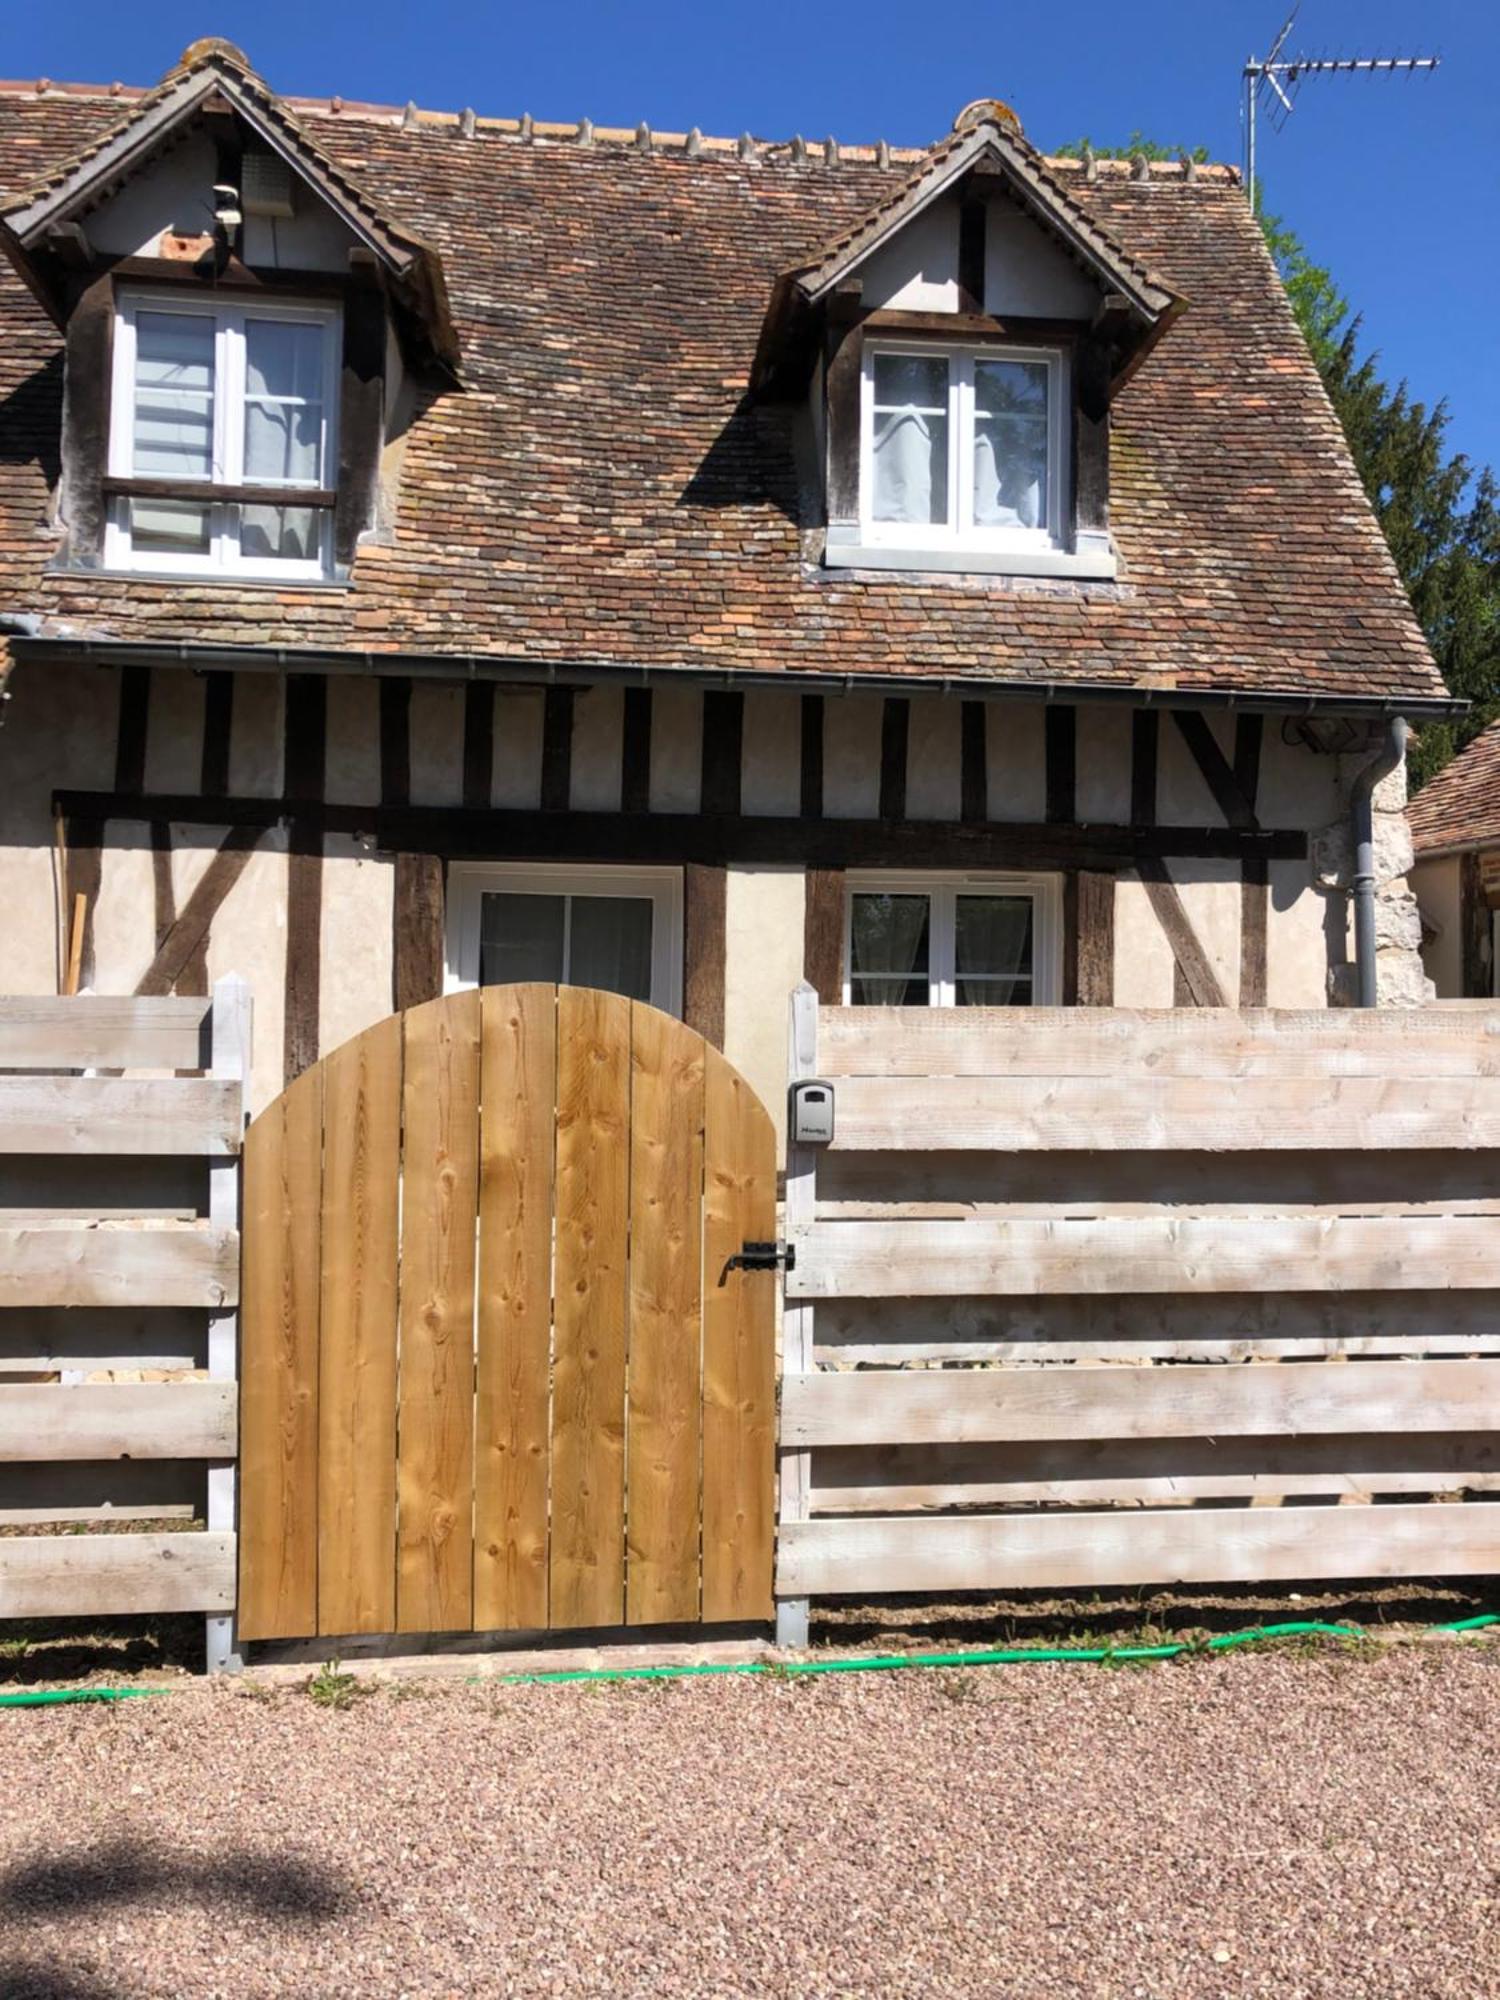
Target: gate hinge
{"points": [[763, 1257]]}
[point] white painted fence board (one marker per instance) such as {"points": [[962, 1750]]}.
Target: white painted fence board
{"points": [[98, 1032], [1312, 1252], [111, 1114], [74, 1265], [1145, 1113], [1198, 1399], [1114, 1043], [1085, 1550], [106, 1576], [43, 1422]]}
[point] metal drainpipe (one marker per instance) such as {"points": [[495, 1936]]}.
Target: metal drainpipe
{"points": [[1361, 817]]}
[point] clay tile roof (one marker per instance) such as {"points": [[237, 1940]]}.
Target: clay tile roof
{"points": [[1460, 807], [603, 488]]}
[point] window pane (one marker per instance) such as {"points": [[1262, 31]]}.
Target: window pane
{"points": [[993, 934], [288, 534], [889, 941], [174, 351], [169, 527], [284, 358], [611, 944], [172, 428], [520, 937], [911, 439], [993, 992], [1010, 444], [282, 441]]}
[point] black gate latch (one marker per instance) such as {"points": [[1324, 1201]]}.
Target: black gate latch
{"points": [[763, 1257]]}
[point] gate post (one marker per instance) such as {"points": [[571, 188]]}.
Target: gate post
{"points": [[797, 1316], [229, 1058]]}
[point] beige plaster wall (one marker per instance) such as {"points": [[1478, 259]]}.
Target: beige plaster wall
{"points": [[764, 909], [1435, 884]]}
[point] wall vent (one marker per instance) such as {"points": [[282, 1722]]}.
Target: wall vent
{"points": [[266, 186]]}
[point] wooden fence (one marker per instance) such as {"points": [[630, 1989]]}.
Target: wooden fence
{"points": [[120, 1129], [1095, 1297], [499, 1370]]}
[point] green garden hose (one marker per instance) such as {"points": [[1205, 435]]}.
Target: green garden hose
{"points": [[49, 1697], [866, 1663], [1006, 1656]]}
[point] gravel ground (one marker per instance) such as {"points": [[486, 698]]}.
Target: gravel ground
{"points": [[1279, 1823]]}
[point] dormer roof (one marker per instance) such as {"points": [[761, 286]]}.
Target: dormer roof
{"points": [[993, 142], [213, 75]]}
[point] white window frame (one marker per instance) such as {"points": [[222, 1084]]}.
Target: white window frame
{"points": [[223, 556], [960, 531], [468, 882], [1045, 892]]}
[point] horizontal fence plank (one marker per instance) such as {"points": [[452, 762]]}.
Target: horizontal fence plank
{"points": [[126, 1489], [73, 1265], [110, 1114], [103, 1032], [1088, 1550], [1198, 1399], [43, 1338], [897, 1479], [1312, 1252], [1117, 1042], [108, 1576], [1151, 1113], [100, 1420]]}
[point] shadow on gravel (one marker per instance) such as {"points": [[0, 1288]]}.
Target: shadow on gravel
{"points": [[283, 1891], [1033, 1618], [22, 1981], [273, 1886]]}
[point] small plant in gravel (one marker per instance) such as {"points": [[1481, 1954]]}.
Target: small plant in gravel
{"points": [[784, 1674], [14, 1649], [331, 1687]]}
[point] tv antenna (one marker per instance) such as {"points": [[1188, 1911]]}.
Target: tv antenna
{"points": [[1273, 81]]}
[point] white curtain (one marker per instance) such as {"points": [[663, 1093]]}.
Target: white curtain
{"points": [[1008, 491], [888, 935], [905, 452]]}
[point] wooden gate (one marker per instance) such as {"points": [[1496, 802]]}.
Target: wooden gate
{"points": [[496, 1370]]}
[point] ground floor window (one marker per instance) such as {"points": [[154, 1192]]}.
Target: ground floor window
{"points": [[953, 941], [619, 929]]}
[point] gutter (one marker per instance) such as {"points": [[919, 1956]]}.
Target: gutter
{"points": [[1361, 819], [199, 657]]}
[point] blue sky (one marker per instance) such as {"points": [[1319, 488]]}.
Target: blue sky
{"points": [[1395, 185]]}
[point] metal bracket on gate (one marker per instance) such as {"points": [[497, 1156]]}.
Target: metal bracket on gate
{"points": [[772, 1256]]}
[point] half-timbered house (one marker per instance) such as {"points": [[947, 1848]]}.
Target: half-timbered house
{"points": [[443, 549]]}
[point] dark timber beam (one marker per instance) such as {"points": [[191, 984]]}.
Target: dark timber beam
{"points": [[706, 837]]}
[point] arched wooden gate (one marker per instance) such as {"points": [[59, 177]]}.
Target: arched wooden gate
{"points": [[496, 1370]]}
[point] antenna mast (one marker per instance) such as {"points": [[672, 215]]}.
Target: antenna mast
{"points": [[1274, 80]]}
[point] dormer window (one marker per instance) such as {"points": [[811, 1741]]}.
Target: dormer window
{"points": [[962, 448], [222, 450]]}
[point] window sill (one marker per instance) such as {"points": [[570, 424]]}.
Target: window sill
{"points": [[217, 579], [1097, 564]]}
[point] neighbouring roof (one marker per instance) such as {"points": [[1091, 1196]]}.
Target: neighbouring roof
{"points": [[1460, 807], [603, 489]]}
